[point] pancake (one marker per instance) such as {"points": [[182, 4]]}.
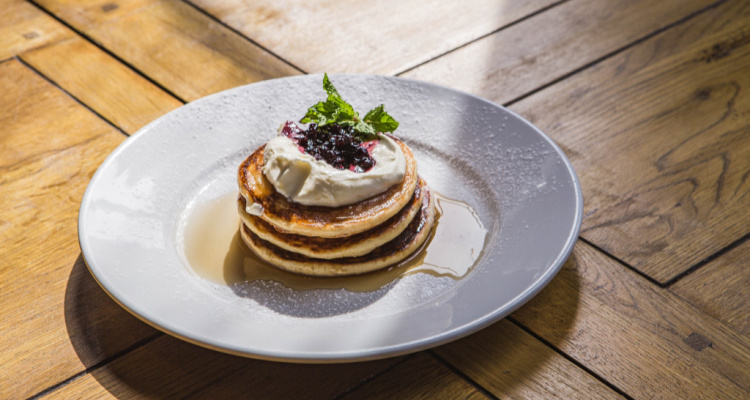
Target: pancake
{"points": [[328, 222], [328, 248], [395, 251]]}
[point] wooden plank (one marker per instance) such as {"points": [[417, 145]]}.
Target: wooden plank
{"points": [[419, 377], [510, 363], [383, 37], [116, 92], [56, 321], [24, 27], [658, 135], [173, 43], [720, 288], [548, 46], [171, 368], [644, 340]]}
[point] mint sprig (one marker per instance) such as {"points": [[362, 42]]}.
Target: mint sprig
{"points": [[337, 111]]}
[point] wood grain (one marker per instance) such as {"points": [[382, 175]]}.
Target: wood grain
{"points": [[658, 135], [55, 320], [642, 339], [383, 37], [722, 288], [510, 363], [24, 27], [172, 43], [113, 90], [171, 368], [419, 377], [535, 52]]}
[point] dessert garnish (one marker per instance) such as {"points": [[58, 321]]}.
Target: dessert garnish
{"points": [[336, 144], [337, 111], [337, 134], [335, 197]]}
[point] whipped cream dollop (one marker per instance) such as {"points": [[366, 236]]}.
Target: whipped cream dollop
{"points": [[305, 180]]}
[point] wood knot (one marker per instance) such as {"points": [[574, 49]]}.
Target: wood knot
{"points": [[725, 48], [703, 94], [110, 7], [697, 341]]}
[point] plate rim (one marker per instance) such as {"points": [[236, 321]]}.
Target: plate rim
{"points": [[361, 355]]}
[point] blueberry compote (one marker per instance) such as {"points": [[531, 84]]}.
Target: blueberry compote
{"points": [[335, 144]]}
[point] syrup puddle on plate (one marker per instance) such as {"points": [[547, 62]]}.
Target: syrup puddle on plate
{"points": [[215, 251]]}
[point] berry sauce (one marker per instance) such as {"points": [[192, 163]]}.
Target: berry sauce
{"points": [[334, 144]]}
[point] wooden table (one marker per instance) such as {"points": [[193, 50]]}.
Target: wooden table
{"points": [[649, 99]]}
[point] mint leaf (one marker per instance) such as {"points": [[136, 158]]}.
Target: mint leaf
{"points": [[344, 112], [329, 88], [380, 120], [321, 113], [333, 110], [337, 111], [365, 131]]}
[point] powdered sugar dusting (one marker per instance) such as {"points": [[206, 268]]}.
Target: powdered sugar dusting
{"points": [[467, 149]]}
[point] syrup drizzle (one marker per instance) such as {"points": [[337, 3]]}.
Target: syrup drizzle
{"points": [[215, 251]]}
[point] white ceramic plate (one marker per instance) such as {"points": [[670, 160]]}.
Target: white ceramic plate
{"points": [[519, 182]]}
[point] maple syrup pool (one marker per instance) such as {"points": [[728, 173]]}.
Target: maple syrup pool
{"points": [[216, 253]]}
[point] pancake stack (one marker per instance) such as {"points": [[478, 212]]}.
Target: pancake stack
{"points": [[334, 241]]}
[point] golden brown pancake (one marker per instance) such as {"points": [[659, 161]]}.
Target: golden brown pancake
{"points": [[328, 222], [398, 249], [328, 248]]}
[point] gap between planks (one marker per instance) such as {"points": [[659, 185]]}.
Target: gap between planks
{"points": [[372, 377], [570, 359], [240, 34], [614, 53], [706, 260], [671, 282], [506, 26], [76, 99], [107, 51], [462, 375], [96, 366]]}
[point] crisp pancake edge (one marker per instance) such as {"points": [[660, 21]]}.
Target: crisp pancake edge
{"points": [[328, 268]]}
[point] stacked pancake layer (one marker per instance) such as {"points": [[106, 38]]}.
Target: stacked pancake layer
{"points": [[334, 241]]}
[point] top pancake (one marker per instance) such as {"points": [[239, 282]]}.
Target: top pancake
{"points": [[321, 221]]}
